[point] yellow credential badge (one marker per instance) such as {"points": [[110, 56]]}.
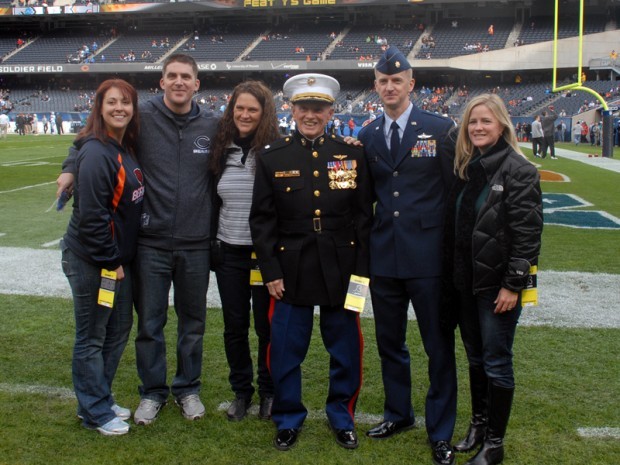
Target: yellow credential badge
{"points": [[356, 293], [107, 290], [529, 295], [256, 278]]}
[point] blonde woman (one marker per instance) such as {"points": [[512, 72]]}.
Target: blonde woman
{"points": [[493, 232]]}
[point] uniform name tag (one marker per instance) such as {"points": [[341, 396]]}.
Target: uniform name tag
{"points": [[288, 174]]}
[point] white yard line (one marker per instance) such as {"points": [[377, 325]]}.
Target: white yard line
{"points": [[566, 299], [28, 187]]}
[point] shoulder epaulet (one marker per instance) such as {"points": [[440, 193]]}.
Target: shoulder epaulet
{"points": [[278, 144], [339, 140]]}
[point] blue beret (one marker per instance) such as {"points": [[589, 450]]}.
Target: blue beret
{"points": [[392, 62]]}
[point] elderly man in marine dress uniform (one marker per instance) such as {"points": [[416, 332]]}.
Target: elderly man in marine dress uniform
{"points": [[310, 222], [410, 160]]}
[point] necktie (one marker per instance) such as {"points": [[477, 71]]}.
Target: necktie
{"points": [[394, 141]]}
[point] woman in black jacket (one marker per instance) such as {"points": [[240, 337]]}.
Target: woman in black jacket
{"points": [[493, 233], [247, 125]]}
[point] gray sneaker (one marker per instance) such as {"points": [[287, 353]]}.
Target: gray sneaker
{"points": [[114, 427], [147, 411], [191, 407], [121, 412]]}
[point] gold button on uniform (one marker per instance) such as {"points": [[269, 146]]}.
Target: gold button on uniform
{"points": [[282, 249], [288, 189], [315, 154], [317, 193], [316, 174], [317, 212]]}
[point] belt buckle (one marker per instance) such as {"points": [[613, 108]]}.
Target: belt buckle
{"points": [[316, 222]]}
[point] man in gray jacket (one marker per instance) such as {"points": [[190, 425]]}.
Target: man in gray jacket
{"points": [[548, 126], [173, 244]]}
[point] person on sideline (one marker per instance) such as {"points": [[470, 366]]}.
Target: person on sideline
{"points": [[411, 166], [537, 136], [103, 234], [547, 120], [174, 239], [247, 125], [577, 132], [492, 239], [4, 125], [310, 219]]}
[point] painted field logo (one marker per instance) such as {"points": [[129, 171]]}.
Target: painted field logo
{"points": [[565, 210]]}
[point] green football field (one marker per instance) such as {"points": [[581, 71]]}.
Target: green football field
{"points": [[568, 383]]}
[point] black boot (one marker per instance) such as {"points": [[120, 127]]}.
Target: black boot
{"points": [[478, 386], [500, 403]]}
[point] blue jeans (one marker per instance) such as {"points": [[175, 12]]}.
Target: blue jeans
{"points": [[488, 337], [101, 335], [155, 270], [239, 299]]}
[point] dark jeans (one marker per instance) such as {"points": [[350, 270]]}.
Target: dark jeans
{"points": [[238, 300], [101, 335], [537, 143], [155, 271], [548, 142], [488, 337]]}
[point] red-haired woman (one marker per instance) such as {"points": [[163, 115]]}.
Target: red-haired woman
{"points": [[102, 235]]}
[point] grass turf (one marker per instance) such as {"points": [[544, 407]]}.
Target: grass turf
{"points": [[567, 378]]}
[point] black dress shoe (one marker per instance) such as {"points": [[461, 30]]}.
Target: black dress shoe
{"points": [[443, 454], [286, 438], [238, 409], [389, 428], [264, 412], [346, 438]]}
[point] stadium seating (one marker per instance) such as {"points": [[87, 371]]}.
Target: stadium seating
{"points": [[361, 41], [55, 47], [540, 29], [281, 42], [222, 47], [450, 41]]}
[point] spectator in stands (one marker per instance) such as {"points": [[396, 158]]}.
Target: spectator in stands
{"points": [[491, 30], [613, 56], [172, 252], [547, 120], [102, 235], [492, 239], [405, 263], [247, 126]]}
